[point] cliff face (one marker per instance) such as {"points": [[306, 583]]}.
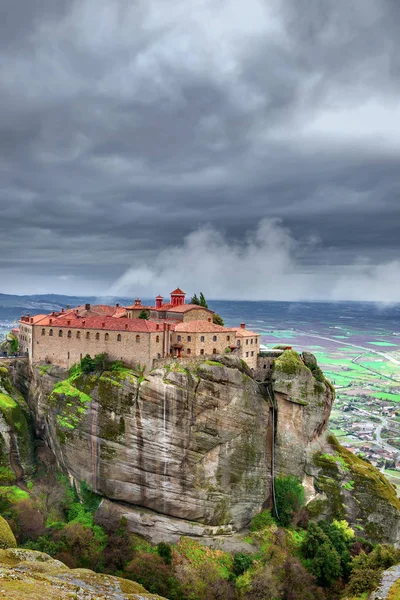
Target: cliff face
{"points": [[188, 451]]}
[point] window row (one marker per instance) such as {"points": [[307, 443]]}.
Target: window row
{"points": [[202, 338], [188, 351], [88, 335], [252, 353], [251, 341]]}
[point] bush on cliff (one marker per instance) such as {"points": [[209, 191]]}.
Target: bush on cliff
{"points": [[289, 496]]}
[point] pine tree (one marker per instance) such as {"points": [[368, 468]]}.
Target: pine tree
{"points": [[203, 301], [144, 315], [195, 300]]}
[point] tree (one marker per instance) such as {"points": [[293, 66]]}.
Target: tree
{"points": [[164, 550], [289, 494], [217, 319], [203, 301], [144, 315], [194, 300], [241, 563], [326, 565]]}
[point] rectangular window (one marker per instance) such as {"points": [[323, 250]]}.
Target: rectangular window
{"points": [[247, 353], [202, 338], [251, 341], [247, 341], [189, 338], [179, 338], [252, 353]]}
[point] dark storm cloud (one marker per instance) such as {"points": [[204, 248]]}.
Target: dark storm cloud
{"points": [[125, 126]]}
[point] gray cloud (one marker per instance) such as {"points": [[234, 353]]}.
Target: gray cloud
{"points": [[124, 127]]}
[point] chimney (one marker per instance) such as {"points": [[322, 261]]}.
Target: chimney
{"points": [[117, 305], [126, 325], [209, 319], [83, 322], [28, 315], [158, 326], [31, 320], [138, 302], [103, 324], [87, 306], [62, 310], [242, 325], [50, 321], [68, 322], [159, 301]]}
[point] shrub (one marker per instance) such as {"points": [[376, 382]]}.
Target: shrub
{"points": [[326, 565], [164, 550], [289, 496], [241, 563], [263, 519]]}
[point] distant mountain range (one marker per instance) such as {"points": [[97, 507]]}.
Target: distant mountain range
{"points": [[13, 306]]}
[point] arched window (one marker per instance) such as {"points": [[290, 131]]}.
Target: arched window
{"points": [[214, 338], [43, 331], [202, 338], [238, 343], [97, 336], [88, 335], [106, 336], [214, 351], [119, 337], [179, 338], [51, 332], [60, 333], [188, 350], [157, 338], [69, 333], [202, 351], [138, 339], [78, 335], [228, 337], [158, 355], [189, 338]]}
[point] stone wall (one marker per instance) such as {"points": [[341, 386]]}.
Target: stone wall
{"points": [[130, 347]]}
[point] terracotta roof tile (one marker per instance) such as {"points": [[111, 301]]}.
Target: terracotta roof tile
{"points": [[244, 332], [101, 323], [186, 307], [178, 291]]}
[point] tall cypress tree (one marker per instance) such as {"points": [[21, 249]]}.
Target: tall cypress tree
{"points": [[203, 301], [195, 300]]}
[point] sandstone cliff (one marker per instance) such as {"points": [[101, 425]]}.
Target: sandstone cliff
{"points": [[192, 451]]}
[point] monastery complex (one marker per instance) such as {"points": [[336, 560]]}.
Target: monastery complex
{"points": [[172, 329]]}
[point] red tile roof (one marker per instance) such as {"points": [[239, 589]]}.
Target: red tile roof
{"points": [[100, 323], [159, 297], [186, 307], [201, 326], [178, 291], [244, 332]]}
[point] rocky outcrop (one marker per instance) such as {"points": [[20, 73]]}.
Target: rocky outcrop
{"points": [[30, 574], [192, 451]]}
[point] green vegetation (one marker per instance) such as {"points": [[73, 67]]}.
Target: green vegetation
{"points": [[289, 362], [217, 319], [7, 538], [289, 494], [262, 520], [144, 314]]}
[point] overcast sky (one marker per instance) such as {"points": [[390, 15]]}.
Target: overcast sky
{"points": [[248, 149]]}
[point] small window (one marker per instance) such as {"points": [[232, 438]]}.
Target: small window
{"points": [[247, 353], [97, 336], [252, 352], [247, 342], [179, 338], [158, 355], [157, 338], [138, 339], [265, 366], [69, 333], [214, 351], [88, 335], [78, 335], [43, 331], [238, 343], [119, 337], [251, 341], [188, 351], [106, 336], [60, 333], [202, 339], [228, 337], [51, 332], [189, 338], [68, 354], [214, 338], [202, 351]]}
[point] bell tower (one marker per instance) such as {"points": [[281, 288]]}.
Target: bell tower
{"points": [[177, 297]]}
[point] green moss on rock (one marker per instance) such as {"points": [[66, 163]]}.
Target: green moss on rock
{"points": [[289, 363], [7, 538]]}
